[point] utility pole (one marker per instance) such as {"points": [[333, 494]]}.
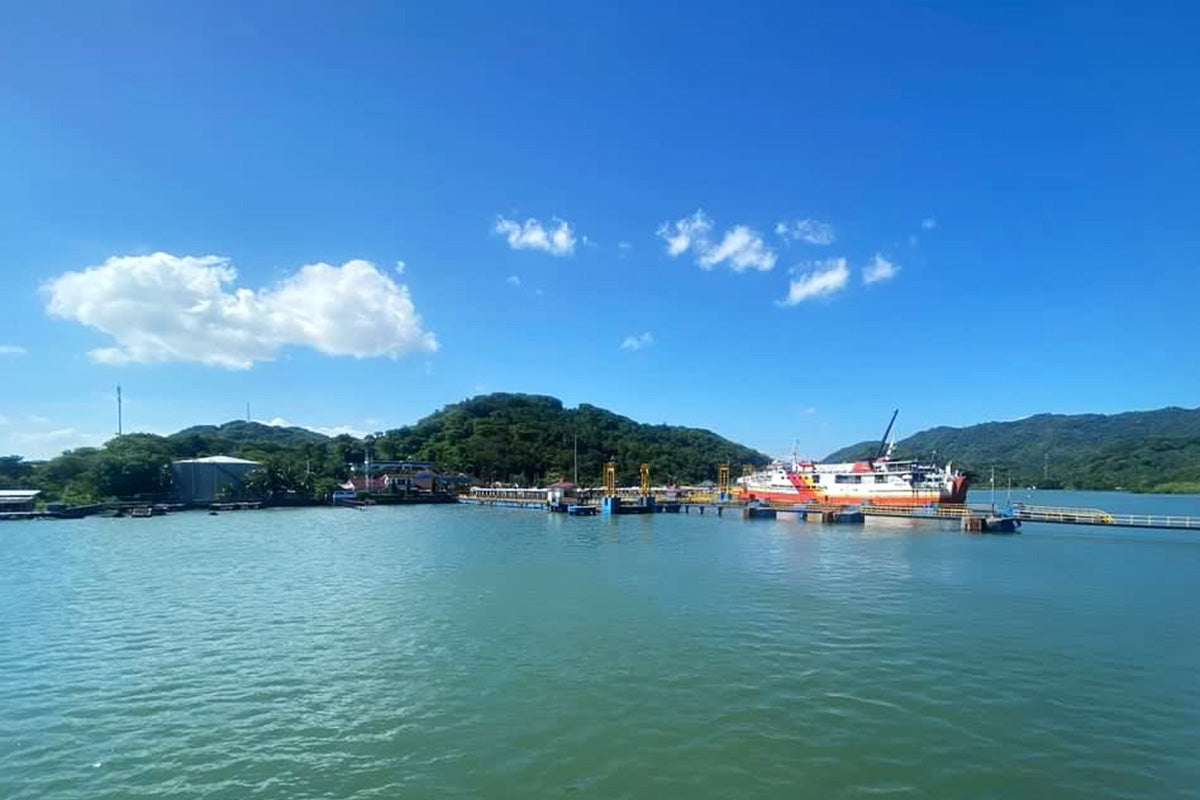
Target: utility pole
{"points": [[576, 481], [247, 411], [120, 421], [367, 463]]}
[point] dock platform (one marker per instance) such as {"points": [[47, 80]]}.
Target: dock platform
{"points": [[982, 518]]}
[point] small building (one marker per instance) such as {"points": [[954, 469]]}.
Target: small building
{"points": [[563, 492], [203, 480], [17, 500], [378, 484]]}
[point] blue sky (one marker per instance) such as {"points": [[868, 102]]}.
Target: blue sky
{"points": [[208, 206]]}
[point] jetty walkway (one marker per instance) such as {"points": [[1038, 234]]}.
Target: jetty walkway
{"points": [[977, 516]]}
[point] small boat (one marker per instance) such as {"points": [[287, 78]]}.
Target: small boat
{"points": [[142, 511]]}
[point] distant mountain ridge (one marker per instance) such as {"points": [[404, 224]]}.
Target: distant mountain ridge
{"points": [[1138, 450]]}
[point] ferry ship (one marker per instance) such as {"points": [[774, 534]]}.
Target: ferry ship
{"points": [[878, 481]]}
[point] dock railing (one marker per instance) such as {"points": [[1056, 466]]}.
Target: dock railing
{"points": [[1096, 516]]}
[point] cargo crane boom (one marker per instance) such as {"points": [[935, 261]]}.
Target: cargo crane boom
{"points": [[886, 433]]}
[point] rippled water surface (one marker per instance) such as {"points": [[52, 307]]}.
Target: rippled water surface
{"points": [[466, 652]]}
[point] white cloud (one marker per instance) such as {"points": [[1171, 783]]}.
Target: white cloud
{"points": [[532, 235], [879, 269], [12, 350], [807, 230], [37, 419], [683, 234], [539, 292], [338, 430], [399, 267], [514, 280], [638, 342], [929, 223], [624, 246], [913, 239], [3, 420], [163, 307], [741, 247], [825, 278], [328, 430], [47, 444]]}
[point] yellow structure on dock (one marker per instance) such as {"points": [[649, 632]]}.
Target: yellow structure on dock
{"points": [[610, 479]]}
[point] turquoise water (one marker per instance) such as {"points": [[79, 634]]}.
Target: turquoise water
{"points": [[468, 652]]}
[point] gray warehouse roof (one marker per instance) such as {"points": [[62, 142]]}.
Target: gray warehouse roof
{"points": [[19, 494]]}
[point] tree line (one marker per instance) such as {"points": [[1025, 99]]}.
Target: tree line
{"points": [[526, 439]]}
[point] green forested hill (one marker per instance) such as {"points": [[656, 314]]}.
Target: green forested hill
{"points": [[1138, 450], [530, 438], [506, 437], [240, 431]]}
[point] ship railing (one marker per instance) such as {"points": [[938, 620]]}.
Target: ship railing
{"points": [[524, 495], [922, 510]]}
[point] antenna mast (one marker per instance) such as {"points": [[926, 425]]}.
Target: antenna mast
{"points": [[120, 421]]}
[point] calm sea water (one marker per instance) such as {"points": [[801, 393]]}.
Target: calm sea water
{"points": [[467, 652]]}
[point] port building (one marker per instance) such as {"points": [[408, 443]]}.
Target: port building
{"points": [[205, 480], [17, 500]]}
